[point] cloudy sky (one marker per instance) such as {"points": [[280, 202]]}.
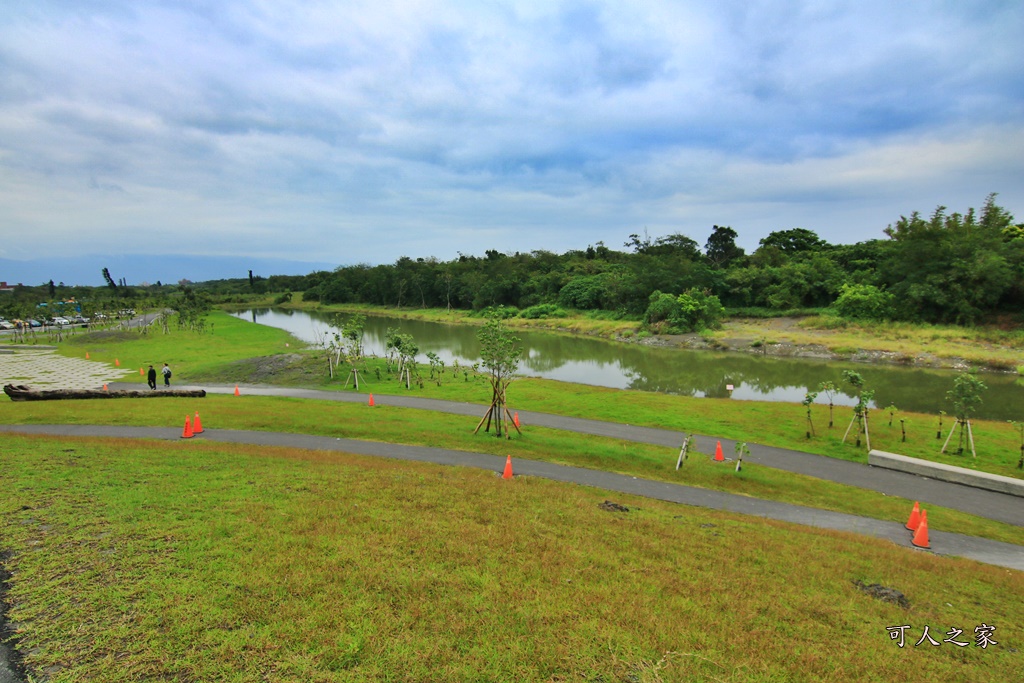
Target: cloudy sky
{"points": [[346, 132]]}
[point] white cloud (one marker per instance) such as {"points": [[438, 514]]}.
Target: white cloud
{"points": [[359, 132]]}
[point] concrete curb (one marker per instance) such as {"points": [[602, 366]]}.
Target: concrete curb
{"points": [[950, 473]]}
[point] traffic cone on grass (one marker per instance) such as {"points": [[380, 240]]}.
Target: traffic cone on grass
{"points": [[87, 355], [117, 362], [187, 432], [508, 468], [915, 517], [141, 372], [719, 456], [197, 426], [920, 539]]}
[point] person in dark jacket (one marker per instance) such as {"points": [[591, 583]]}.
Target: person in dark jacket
{"points": [[151, 377]]}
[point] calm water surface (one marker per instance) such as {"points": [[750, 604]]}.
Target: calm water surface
{"points": [[691, 373]]}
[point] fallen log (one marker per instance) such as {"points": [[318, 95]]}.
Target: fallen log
{"points": [[20, 392]]}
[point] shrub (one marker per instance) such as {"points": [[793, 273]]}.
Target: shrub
{"points": [[691, 311], [863, 302], [543, 311], [500, 312]]}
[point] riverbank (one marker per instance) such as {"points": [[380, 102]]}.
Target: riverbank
{"points": [[995, 348]]}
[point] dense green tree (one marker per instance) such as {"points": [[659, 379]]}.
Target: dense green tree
{"points": [[721, 247], [794, 241], [950, 267]]}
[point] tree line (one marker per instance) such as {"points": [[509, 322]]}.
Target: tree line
{"points": [[943, 268]]}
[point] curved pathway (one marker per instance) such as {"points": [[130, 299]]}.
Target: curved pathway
{"points": [[976, 501], [1000, 507]]}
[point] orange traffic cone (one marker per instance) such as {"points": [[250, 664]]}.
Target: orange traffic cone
{"points": [[187, 432], [87, 355], [371, 401], [515, 419], [719, 457], [141, 372], [117, 362], [236, 390], [197, 426], [508, 468], [104, 386], [920, 539], [915, 517]]}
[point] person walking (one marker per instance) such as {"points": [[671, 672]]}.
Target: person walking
{"points": [[151, 377], [167, 375]]}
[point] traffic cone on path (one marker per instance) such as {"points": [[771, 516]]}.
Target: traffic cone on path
{"points": [[719, 457], [197, 426], [915, 517], [236, 391], [187, 432], [371, 401], [104, 386], [920, 539], [515, 419], [508, 468]]}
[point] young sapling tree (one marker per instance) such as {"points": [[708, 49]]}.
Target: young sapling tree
{"points": [[830, 390], [891, 409], [499, 356], [1020, 428], [807, 403], [741, 450], [965, 397], [860, 410]]}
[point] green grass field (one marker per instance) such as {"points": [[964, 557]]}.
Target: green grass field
{"points": [[194, 561], [141, 561]]}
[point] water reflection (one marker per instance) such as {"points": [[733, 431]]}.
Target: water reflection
{"points": [[691, 373]]}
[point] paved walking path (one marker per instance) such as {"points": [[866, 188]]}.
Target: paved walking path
{"points": [[989, 504]]}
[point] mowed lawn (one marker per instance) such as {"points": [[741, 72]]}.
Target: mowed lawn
{"points": [[194, 561]]}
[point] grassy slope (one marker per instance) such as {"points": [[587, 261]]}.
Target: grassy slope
{"points": [[414, 427], [220, 358], [153, 561], [159, 560]]}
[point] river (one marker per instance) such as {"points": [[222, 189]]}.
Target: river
{"points": [[586, 360]]}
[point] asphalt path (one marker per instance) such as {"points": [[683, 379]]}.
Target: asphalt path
{"points": [[1000, 507], [992, 505]]}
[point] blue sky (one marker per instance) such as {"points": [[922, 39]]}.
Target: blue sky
{"points": [[348, 132]]}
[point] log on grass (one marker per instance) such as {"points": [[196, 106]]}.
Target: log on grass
{"points": [[21, 392]]}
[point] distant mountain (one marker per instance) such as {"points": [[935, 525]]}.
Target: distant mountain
{"points": [[148, 268]]}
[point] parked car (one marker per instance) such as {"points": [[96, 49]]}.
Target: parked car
{"points": [[34, 323], [6, 325], [61, 321]]}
